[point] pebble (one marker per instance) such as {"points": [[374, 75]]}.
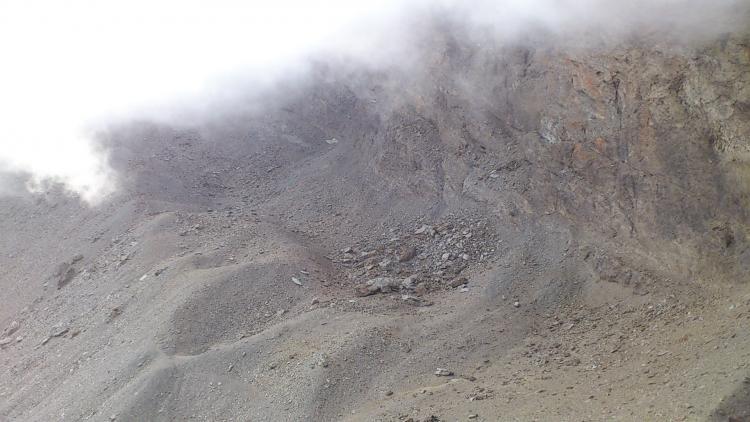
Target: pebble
{"points": [[413, 300], [12, 328], [460, 281], [407, 254], [296, 281], [425, 229], [516, 304], [409, 283], [58, 330], [442, 372]]}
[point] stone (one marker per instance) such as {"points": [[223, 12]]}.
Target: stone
{"points": [[58, 330], [416, 301], [409, 283], [296, 281], [459, 281], [65, 274], [116, 312], [379, 285], [516, 304], [407, 254], [425, 229], [442, 372], [12, 328]]}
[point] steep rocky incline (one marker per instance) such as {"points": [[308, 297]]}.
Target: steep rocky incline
{"points": [[489, 230]]}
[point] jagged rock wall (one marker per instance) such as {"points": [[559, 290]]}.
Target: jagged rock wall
{"points": [[639, 144]]}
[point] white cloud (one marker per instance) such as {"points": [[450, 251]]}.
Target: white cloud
{"points": [[68, 66]]}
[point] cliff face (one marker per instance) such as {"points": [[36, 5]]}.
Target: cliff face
{"points": [[648, 140], [565, 230]]}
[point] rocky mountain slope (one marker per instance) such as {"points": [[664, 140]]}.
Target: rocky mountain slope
{"points": [[491, 231]]}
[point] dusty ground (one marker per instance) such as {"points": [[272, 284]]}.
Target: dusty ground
{"points": [[563, 233]]}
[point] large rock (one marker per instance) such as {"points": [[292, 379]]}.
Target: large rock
{"points": [[66, 271], [407, 254], [379, 285]]}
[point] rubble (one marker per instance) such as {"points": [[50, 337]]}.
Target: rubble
{"points": [[436, 255]]}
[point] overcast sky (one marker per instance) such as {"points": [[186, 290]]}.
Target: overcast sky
{"points": [[69, 66]]}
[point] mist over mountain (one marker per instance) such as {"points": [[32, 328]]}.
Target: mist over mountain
{"points": [[424, 211]]}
